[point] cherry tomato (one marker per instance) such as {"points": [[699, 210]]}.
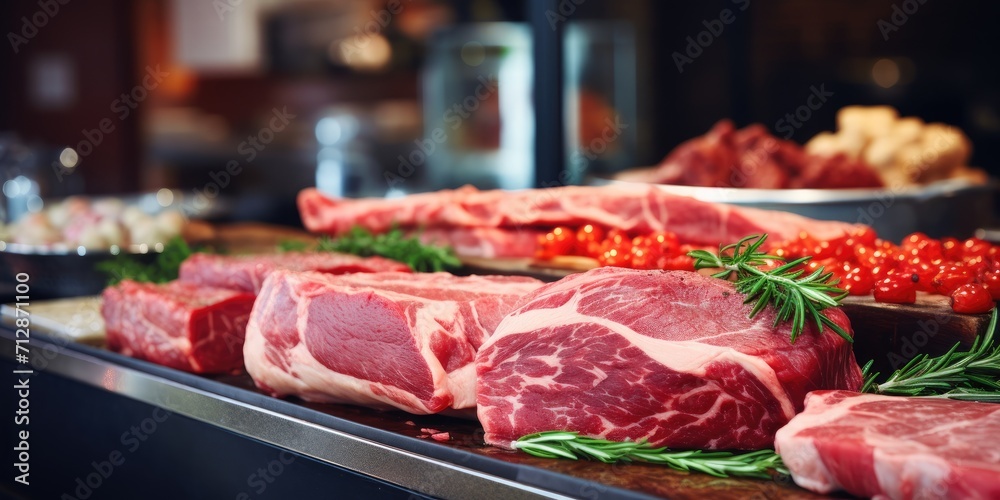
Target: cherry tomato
{"points": [[896, 289], [973, 298], [559, 241], [991, 279], [865, 236], [677, 262], [925, 274], [858, 281], [665, 243], [588, 240], [975, 247], [950, 277], [616, 250], [643, 254]]}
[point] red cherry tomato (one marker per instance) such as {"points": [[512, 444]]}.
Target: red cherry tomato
{"points": [[616, 250], [896, 289], [678, 262], [858, 281], [992, 281], [973, 298], [588, 240], [952, 249], [950, 277], [559, 241], [865, 236]]}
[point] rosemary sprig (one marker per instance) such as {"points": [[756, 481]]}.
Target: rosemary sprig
{"points": [[972, 375], [393, 245], [564, 444], [794, 297]]}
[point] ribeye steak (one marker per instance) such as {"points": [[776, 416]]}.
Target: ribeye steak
{"points": [[666, 356]]}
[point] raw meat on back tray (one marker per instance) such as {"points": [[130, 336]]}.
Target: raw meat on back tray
{"points": [[384, 340], [894, 447], [181, 325], [634, 209], [666, 356]]}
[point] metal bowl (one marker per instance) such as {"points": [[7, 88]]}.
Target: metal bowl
{"points": [[61, 271], [953, 207]]}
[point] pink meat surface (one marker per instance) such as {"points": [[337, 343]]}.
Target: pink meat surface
{"points": [[384, 340], [246, 273], [487, 242], [894, 447], [666, 356], [177, 324], [638, 208]]}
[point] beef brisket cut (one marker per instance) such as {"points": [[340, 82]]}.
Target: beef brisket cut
{"points": [[894, 447], [177, 324], [246, 273], [666, 356], [635, 209], [382, 340]]}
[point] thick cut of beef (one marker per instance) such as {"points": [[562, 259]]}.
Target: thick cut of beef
{"points": [[666, 356], [382, 340], [635, 208], [177, 324], [894, 447], [246, 273]]}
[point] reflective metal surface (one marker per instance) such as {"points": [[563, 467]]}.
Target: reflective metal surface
{"points": [[953, 207], [409, 470]]}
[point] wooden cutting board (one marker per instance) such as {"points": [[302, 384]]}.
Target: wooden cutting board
{"points": [[77, 319]]}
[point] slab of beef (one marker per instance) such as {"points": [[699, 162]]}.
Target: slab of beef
{"points": [[634, 208], [487, 242], [381, 340], [246, 273], [753, 158], [894, 447], [181, 325], [666, 356]]}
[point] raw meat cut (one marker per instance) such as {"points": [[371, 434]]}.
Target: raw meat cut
{"points": [[894, 447], [666, 356], [487, 242], [181, 325], [753, 158], [632, 208], [246, 273], [381, 340]]}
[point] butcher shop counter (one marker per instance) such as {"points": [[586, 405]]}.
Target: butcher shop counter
{"points": [[103, 425]]}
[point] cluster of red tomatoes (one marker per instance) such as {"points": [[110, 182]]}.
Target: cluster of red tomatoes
{"points": [[966, 270], [659, 250]]}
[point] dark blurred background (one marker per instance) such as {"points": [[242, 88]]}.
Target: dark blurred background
{"points": [[245, 102]]}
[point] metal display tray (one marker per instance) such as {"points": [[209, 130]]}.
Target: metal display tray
{"points": [[386, 446]]}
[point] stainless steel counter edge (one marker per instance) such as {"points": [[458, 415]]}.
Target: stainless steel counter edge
{"points": [[421, 474]]}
